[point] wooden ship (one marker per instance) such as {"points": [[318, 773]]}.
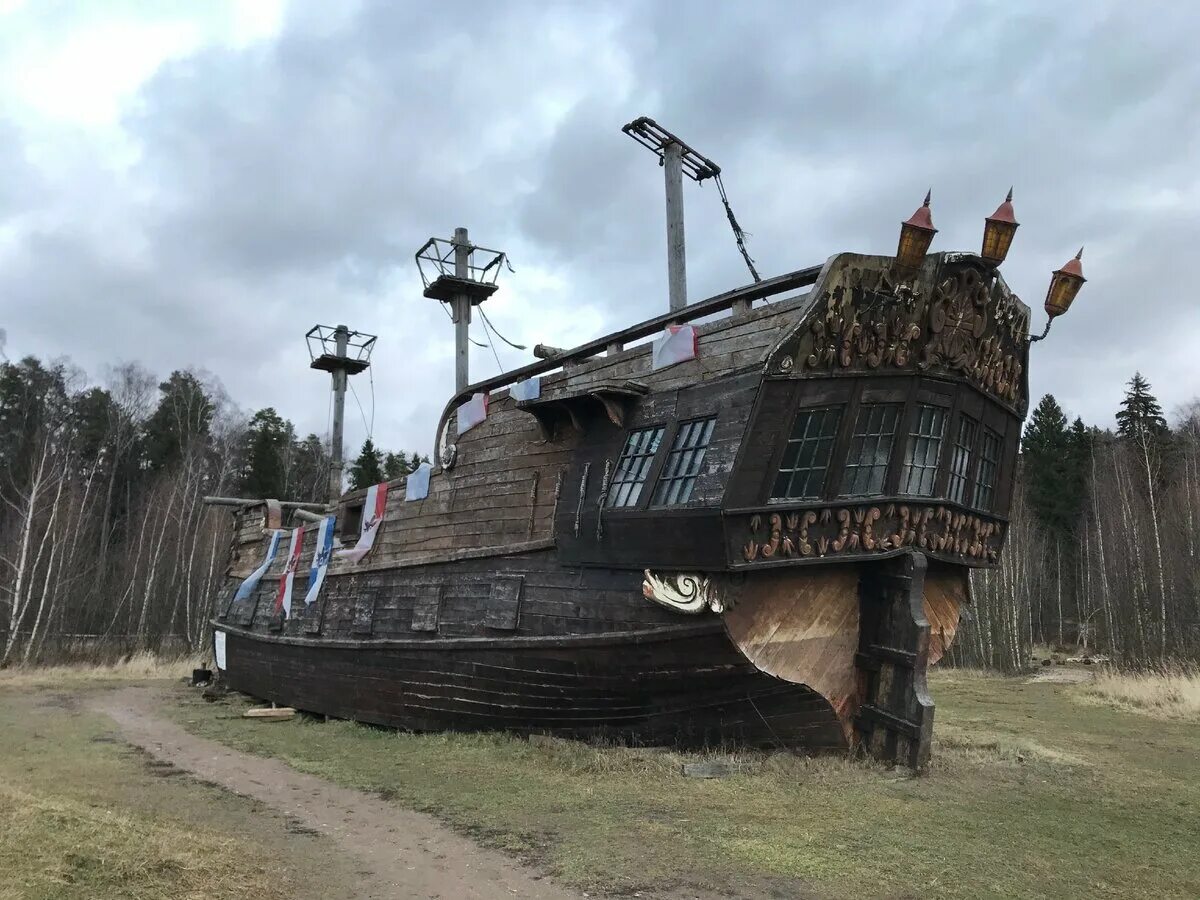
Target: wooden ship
{"points": [[756, 527]]}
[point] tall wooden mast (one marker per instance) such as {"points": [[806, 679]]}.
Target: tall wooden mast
{"points": [[677, 160]]}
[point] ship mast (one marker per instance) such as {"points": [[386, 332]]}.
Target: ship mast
{"points": [[677, 160], [342, 353], [461, 275]]}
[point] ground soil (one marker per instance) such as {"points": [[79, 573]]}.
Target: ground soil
{"points": [[399, 853], [1036, 789]]}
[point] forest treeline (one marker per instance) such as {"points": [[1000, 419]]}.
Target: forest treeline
{"points": [[104, 539], [1102, 545]]}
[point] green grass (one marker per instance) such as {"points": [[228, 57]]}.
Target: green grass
{"points": [[83, 816], [1031, 794]]}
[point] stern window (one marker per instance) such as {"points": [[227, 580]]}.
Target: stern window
{"points": [[806, 457], [870, 449], [919, 475], [683, 464], [989, 462], [633, 466], [960, 463]]}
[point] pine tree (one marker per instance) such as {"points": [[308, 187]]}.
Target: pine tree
{"points": [[31, 397], [1053, 468], [368, 468], [1141, 424], [182, 418], [309, 480], [1140, 411], [268, 443], [395, 465], [1079, 457]]}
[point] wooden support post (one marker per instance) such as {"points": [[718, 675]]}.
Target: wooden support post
{"points": [[460, 310], [676, 253], [342, 338], [895, 721]]}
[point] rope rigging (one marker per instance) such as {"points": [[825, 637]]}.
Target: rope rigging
{"points": [[738, 234], [489, 324]]}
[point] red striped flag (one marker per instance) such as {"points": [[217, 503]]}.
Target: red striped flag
{"points": [[283, 599]]}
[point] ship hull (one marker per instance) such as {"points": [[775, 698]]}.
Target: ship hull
{"points": [[685, 686]]}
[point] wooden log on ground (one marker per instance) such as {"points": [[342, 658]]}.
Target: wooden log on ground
{"points": [[270, 713]]}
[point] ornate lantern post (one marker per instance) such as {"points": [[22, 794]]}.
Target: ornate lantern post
{"points": [[915, 236], [998, 231], [1064, 286]]}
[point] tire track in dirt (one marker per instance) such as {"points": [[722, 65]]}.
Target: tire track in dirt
{"points": [[402, 854]]}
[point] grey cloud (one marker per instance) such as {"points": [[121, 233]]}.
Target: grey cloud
{"points": [[289, 183]]}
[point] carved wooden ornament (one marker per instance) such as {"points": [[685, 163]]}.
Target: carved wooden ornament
{"points": [[684, 592]]}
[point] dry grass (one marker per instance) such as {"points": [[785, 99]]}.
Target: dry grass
{"points": [[959, 750], [1031, 794], [59, 847], [1173, 693], [136, 667], [84, 817]]}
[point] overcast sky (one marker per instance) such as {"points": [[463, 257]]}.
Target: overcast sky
{"points": [[196, 184]]}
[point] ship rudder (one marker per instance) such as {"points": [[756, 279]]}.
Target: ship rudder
{"points": [[894, 720]]}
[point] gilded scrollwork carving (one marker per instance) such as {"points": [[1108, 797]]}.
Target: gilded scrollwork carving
{"points": [[867, 529], [684, 592], [969, 324], [964, 303]]}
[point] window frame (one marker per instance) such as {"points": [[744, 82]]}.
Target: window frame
{"points": [[912, 422], [350, 519], [650, 473], [788, 397], [969, 475], [659, 471], [998, 468], [835, 441], [886, 486]]}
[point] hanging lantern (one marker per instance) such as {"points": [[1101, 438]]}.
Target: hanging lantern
{"points": [[915, 236], [998, 231], [1064, 286]]}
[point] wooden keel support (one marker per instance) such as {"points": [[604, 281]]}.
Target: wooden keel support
{"points": [[862, 640], [895, 720]]}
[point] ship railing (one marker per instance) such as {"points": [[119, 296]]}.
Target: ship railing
{"points": [[739, 297]]}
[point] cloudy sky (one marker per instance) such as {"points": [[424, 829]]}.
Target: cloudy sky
{"points": [[196, 184]]}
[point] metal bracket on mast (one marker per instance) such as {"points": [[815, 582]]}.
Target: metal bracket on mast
{"points": [[342, 353], [677, 160], [458, 273]]}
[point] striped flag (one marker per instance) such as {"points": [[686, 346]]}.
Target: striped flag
{"points": [[321, 555], [283, 599], [246, 588], [374, 507]]}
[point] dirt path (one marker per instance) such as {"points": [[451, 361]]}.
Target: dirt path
{"points": [[401, 854]]}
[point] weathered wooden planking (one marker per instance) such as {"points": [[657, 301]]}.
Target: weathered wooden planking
{"points": [[946, 592], [530, 593], [646, 693], [804, 630], [504, 602]]}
